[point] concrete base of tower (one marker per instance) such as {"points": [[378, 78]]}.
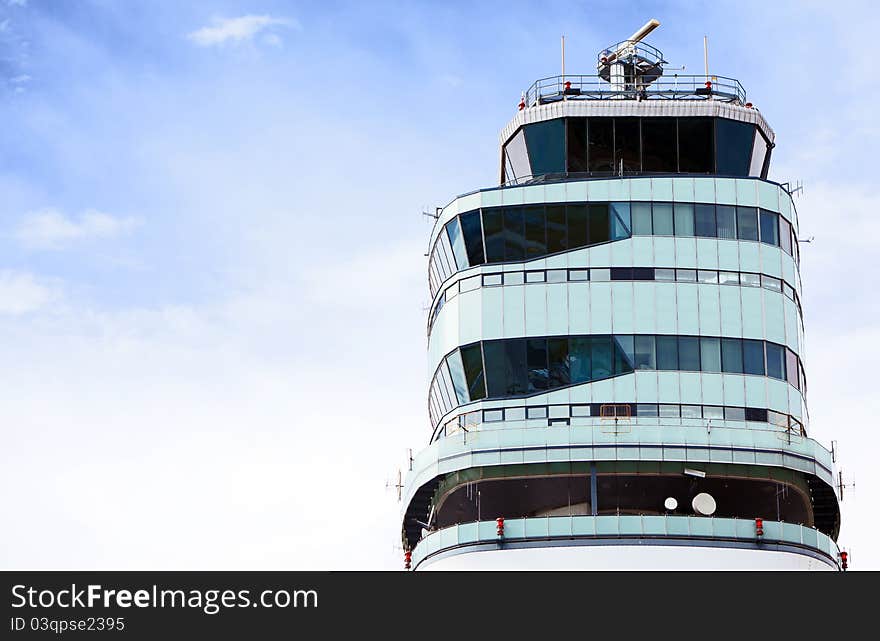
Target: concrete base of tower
{"points": [[643, 556]]}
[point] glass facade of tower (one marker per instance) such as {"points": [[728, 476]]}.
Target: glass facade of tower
{"points": [[625, 307]]}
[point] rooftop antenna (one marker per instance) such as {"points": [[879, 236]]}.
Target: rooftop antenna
{"points": [[706, 56], [563, 59]]}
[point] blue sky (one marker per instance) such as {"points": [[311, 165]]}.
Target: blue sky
{"points": [[211, 251]]}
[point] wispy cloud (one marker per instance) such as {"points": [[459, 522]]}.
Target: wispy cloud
{"points": [[51, 229], [17, 3], [223, 30], [21, 292]]}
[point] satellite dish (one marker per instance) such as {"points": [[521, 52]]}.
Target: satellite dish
{"points": [[704, 504], [670, 503]]}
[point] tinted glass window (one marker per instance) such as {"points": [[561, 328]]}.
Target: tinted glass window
{"points": [[731, 355], [621, 224], [756, 414], [662, 216], [734, 144], [667, 352], [536, 241], [456, 373], [496, 368], [536, 354], [684, 219], [704, 221], [645, 355], [457, 242], [659, 145], [710, 355], [689, 354], [556, 229], [514, 234], [753, 357], [472, 230], [641, 219], [579, 360], [546, 144], [775, 361], [577, 225], [601, 352], [726, 217], [785, 235], [517, 376], [626, 144], [600, 226], [600, 136], [493, 227], [695, 142], [623, 354], [643, 273], [769, 227], [472, 359], [621, 273], [577, 144], [747, 223], [791, 367], [557, 349]]}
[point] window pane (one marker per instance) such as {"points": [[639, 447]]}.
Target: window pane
{"points": [[647, 409], [578, 274], [726, 216], [704, 221], [769, 227], [579, 359], [577, 225], [455, 239], [691, 411], [496, 368], [627, 143], [514, 278], [747, 223], [775, 361], [695, 143], [577, 144], [728, 278], [659, 145], [753, 357], [713, 411], [623, 354], [601, 353], [689, 354], [536, 277], [516, 373], [686, 275], [556, 230], [621, 273], [641, 219], [734, 143], [557, 275], [662, 214], [756, 414], [514, 234], [600, 274], [670, 411], [546, 145], [600, 227], [620, 221], [558, 352], [791, 367], [710, 354], [735, 413], [645, 356], [643, 273], [771, 283], [664, 274], [536, 241], [456, 372], [493, 226], [785, 235], [667, 352], [731, 355], [600, 136], [750, 280], [684, 219], [472, 359], [706, 276], [536, 353], [472, 230]]}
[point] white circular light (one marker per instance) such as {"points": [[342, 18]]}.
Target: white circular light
{"points": [[704, 504], [670, 503]]}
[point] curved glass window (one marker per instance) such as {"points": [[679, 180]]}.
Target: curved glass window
{"points": [[509, 368], [632, 145], [526, 232]]}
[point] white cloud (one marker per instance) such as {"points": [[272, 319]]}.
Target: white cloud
{"points": [[17, 3], [51, 229], [21, 293], [239, 29]]}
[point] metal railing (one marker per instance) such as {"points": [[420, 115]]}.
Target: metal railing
{"points": [[674, 87]]}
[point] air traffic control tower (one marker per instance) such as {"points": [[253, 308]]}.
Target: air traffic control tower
{"points": [[616, 342]]}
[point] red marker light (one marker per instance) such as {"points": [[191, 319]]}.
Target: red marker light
{"points": [[407, 559], [843, 560], [759, 527], [499, 522]]}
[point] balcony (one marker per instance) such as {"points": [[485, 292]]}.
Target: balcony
{"points": [[622, 530]]}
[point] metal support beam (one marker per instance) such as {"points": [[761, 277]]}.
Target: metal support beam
{"points": [[594, 491]]}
